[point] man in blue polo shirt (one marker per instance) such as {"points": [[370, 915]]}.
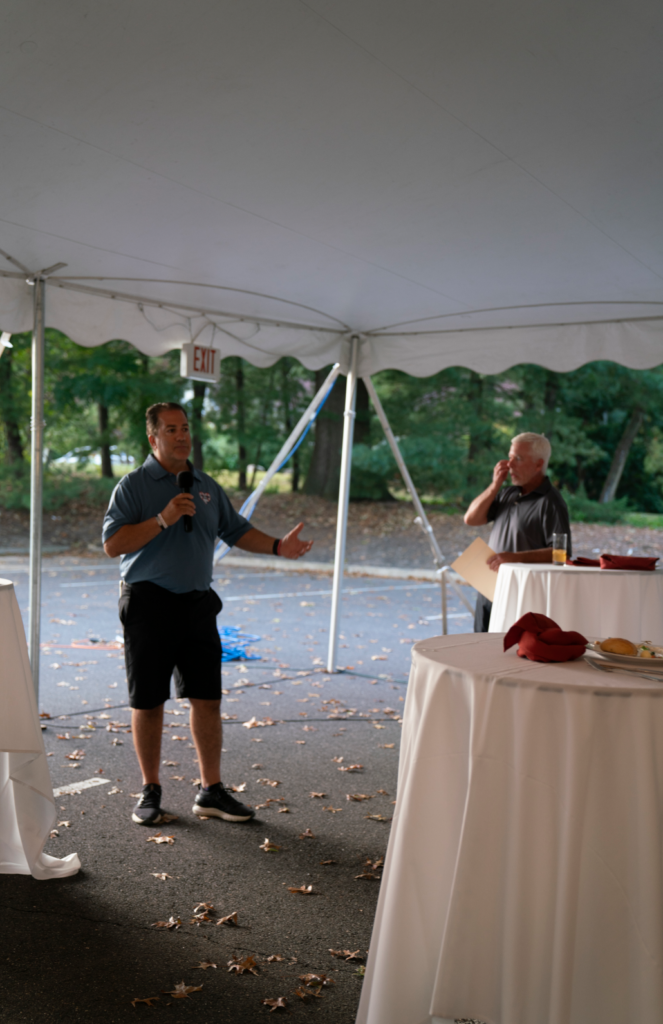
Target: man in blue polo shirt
{"points": [[167, 607]]}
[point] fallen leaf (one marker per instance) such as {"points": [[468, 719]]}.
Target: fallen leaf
{"points": [[63, 736], [309, 728], [195, 782], [347, 954], [237, 789], [117, 742], [178, 778], [172, 922], [161, 875], [358, 796], [388, 746], [383, 792], [64, 824], [305, 996], [275, 958], [329, 862], [361, 971], [316, 980], [375, 865], [113, 791], [53, 834], [302, 890], [229, 919], [149, 1001], [159, 839], [276, 1004], [301, 742], [334, 810], [284, 810], [179, 737], [171, 764], [269, 847], [203, 965], [269, 782], [181, 991], [377, 817], [369, 876], [351, 768], [203, 907], [75, 755], [378, 657], [321, 795], [242, 966], [338, 760], [307, 834]]}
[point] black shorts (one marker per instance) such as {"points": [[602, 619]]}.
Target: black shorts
{"points": [[169, 634]]}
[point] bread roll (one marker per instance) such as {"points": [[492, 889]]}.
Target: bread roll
{"points": [[615, 645]]}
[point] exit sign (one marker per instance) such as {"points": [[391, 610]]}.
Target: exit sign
{"points": [[200, 363]]}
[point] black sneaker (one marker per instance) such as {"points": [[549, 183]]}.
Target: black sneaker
{"points": [[148, 809], [216, 802]]}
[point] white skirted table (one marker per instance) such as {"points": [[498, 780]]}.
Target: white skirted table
{"points": [[595, 602], [523, 881], [27, 808]]}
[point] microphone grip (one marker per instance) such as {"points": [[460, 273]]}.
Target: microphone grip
{"points": [[188, 523]]}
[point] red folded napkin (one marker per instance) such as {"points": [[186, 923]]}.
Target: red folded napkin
{"points": [[541, 639], [627, 562], [583, 561]]}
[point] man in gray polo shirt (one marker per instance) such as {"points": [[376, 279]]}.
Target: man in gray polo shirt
{"points": [[168, 610], [525, 516]]}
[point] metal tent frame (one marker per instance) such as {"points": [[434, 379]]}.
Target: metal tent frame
{"points": [[39, 281]]}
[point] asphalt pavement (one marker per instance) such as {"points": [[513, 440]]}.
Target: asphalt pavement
{"points": [[315, 754]]}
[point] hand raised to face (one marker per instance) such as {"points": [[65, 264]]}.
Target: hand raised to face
{"points": [[501, 472]]}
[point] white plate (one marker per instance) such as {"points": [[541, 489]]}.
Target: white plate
{"points": [[643, 664]]}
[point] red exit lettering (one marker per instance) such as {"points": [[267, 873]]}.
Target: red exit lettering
{"points": [[203, 359]]}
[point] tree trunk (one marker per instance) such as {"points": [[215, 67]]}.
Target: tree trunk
{"points": [[325, 468], [294, 479], [104, 447], [7, 411], [199, 389], [241, 425], [480, 434], [621, 455], [362, 431]]}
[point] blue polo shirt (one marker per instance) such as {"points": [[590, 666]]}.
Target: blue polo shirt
{"points": [[174, 559]]}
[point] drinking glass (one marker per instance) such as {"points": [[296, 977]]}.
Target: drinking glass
{"points": [[559, 548]]}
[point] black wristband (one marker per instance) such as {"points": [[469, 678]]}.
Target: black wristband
{"points": [[275, 546]]}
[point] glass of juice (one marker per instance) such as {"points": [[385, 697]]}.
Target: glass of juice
{"points": [[559, 548]]}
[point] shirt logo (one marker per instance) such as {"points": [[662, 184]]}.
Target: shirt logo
{"points": [[206, 497]]}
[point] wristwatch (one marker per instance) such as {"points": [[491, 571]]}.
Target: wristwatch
{"points": [[161, 521]]}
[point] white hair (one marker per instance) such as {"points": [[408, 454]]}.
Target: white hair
{"points": [[539, 443]]}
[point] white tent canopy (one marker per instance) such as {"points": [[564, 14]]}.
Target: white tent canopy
{"points": [[379, 167], [450, 181]]}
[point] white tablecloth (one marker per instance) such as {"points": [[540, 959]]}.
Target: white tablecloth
{"points": [[524, 876], [596, 602], [27, 808]]}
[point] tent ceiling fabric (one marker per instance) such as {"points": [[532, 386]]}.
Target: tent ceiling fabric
{"points": [[459, 182]]}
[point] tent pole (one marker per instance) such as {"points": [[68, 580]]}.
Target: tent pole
{"points": [[422, 518], [343, 500], [36, 476]]}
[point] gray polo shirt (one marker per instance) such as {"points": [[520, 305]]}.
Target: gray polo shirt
{"points": [[174, 559], [525, 522]]}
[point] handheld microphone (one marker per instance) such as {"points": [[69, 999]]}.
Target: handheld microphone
{"points": [[185, 483]]}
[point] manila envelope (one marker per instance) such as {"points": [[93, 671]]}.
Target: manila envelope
{"points": [[471, 565]]}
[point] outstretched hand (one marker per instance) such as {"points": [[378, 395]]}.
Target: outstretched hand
{"points": [[292, 546]]}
